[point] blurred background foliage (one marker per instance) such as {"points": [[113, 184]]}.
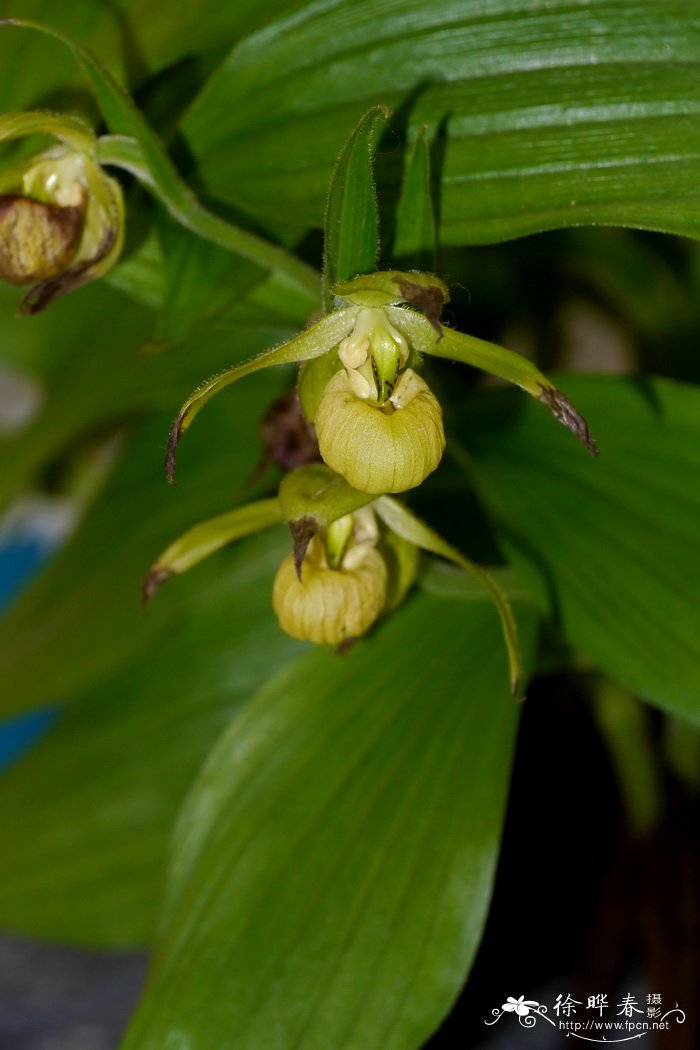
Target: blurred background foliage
{"points": [[553, 128]]}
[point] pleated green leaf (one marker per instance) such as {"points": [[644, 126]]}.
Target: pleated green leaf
{"points": [[135, 41], [610, 547], [333, 864], [80, 620], [90, 810], [415, 236], [548, 114]]}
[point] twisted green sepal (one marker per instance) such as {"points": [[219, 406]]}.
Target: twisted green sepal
{"points": [[311, 498], [314, 341], [489, 357], [208, 537], [410, 528]]}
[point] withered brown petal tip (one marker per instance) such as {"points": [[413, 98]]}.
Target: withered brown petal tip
{"points": [[563, 411], [303, 531], [151, 582], [173, 441], [429, 300]]}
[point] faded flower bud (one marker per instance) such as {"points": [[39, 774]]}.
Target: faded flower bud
{"points": [[37, 240], [378, 423], [341, 589], [62, 227]]}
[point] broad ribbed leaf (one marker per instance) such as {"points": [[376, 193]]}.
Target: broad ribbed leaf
{"points": [[415, 240], [610, 546], [80, 620], [134, 40], [89, 812], [551, 113], [91, 374], [333, 864]]}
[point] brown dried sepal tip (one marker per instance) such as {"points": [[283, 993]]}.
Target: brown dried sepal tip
{"points": [[37, 240], [152, 581], [429, 299], [303, 531], [174, 436], [563, 411]]}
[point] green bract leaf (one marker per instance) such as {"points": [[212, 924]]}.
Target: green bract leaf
{"points": [[611, 549], [314, 341], [312, 497], [351, 236], [410, 528], [90, 810], [333, 864], [415, 239], [456, 346], [552, 114], [206, 538], [144, 156]]}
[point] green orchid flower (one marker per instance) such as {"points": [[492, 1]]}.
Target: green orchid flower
{"points": [[378, 423]]}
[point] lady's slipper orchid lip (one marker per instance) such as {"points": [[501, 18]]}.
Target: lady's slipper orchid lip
{"points": [[330, 605], [38, 240], [62, 224], [381, 449]]}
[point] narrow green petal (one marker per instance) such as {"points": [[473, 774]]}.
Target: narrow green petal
{"points": [[410, 528], [456, 346], [310, 343], [208, 537]]}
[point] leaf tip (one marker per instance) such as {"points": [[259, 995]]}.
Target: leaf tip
{"points": [[564, 412], [174, 437], [152, 582]]}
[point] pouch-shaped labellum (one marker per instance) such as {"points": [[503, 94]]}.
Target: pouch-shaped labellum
{"points": [[37, 240]]}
